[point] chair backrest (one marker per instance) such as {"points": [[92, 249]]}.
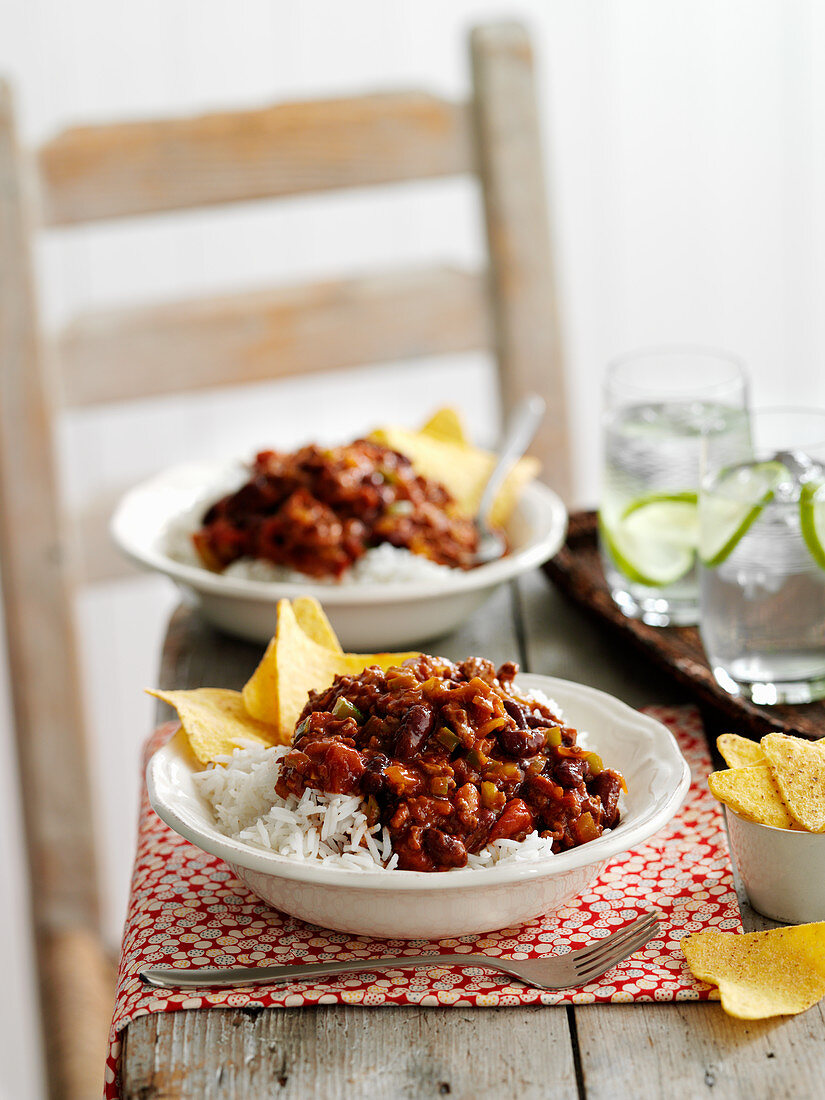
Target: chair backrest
{"points": [[127, 170]]}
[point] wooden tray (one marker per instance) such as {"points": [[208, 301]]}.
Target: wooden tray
{"points": [[577, 571]]}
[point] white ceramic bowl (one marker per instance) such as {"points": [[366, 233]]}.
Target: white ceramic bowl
{"points": [[783, 871], [365, 617], [417, 905]]}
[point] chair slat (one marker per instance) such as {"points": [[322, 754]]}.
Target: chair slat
{"points": [[146, 352], [119, 170]]}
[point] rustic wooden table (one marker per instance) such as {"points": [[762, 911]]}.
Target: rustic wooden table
{"points": [[595, 1051]]}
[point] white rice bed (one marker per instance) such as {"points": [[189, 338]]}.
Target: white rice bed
{"points": [[319, 827]]}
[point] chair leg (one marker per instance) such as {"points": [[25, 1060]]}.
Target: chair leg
{"points": [[78, 990]]}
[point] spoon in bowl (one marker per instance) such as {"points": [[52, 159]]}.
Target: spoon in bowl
{"points": [[518, 435]]}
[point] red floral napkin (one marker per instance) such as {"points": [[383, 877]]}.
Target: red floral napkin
{"points": [[187, 909]]}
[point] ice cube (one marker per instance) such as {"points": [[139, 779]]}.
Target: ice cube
{"points": [[801, 468]]}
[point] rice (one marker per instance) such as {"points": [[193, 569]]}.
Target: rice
{"points": [[319, 827], [384, 564]]}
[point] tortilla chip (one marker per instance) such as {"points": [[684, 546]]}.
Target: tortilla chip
{"points": [[314, 623], [463, 469], [446, 424], [751, 793], [760, 974], [739, 752], [798, 769], [215, 721], [294, 665]]}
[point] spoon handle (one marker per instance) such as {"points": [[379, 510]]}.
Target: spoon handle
{"points": [[518, 435]]}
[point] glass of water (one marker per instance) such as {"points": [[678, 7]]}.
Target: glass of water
{"points": [[659, 404], [762, 549]]}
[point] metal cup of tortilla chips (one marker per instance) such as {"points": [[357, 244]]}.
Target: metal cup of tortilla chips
{"points": [[783, 870]]}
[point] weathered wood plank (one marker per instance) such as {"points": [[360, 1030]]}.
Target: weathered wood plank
{"points": [[524, 299], [120, 355], [73, 976], [123, 169], [694, 1050], [348, 1054]]}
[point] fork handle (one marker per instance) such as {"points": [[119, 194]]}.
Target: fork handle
{"points": [[227, 977]]}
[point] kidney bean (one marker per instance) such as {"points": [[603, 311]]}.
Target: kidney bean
{"points": [[516, 713], [373, 781], [416, 726], [535, 720], [608, 787], [569, 772], [447, 851], [520, 742], [478, 838]]}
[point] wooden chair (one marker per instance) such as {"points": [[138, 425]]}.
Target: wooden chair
{"points": [[133, 169]]}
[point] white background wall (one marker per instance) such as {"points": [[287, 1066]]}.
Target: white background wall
{"points": [[686, 150]]}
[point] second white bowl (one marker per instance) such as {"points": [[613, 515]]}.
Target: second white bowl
{"points": [[366, 617]]}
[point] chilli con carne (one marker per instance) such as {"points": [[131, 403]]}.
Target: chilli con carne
{"points": [[450, 758], [318, 510]]}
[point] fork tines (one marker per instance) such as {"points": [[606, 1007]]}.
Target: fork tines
{"points": [[600, 957]]}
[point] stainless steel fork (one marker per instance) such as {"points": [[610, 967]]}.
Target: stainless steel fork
{"points": [[568, 971]]}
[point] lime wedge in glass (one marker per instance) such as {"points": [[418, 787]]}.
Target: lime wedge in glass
{"points": [[732, 505], [812, 519], [654, 541]]}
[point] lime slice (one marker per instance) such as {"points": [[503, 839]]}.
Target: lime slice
{"points": [[731, 507], [812, 519], [654, 542]]}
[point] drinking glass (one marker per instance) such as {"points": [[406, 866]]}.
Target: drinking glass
{"points": [[762, 549], [658, 406]]}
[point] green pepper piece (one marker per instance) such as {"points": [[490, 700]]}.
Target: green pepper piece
{"points": [[440, 786], [503, 770], [552, 737], [343, 708], [447, 738], [489, 794], [595, 762], [476, 759]]}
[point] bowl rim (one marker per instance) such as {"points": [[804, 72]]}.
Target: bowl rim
{"points": [[771, 828], [668, 758], [545, 539]]}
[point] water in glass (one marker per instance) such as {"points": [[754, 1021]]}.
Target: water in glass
{"points": [[649, 517], [763, 578]]}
